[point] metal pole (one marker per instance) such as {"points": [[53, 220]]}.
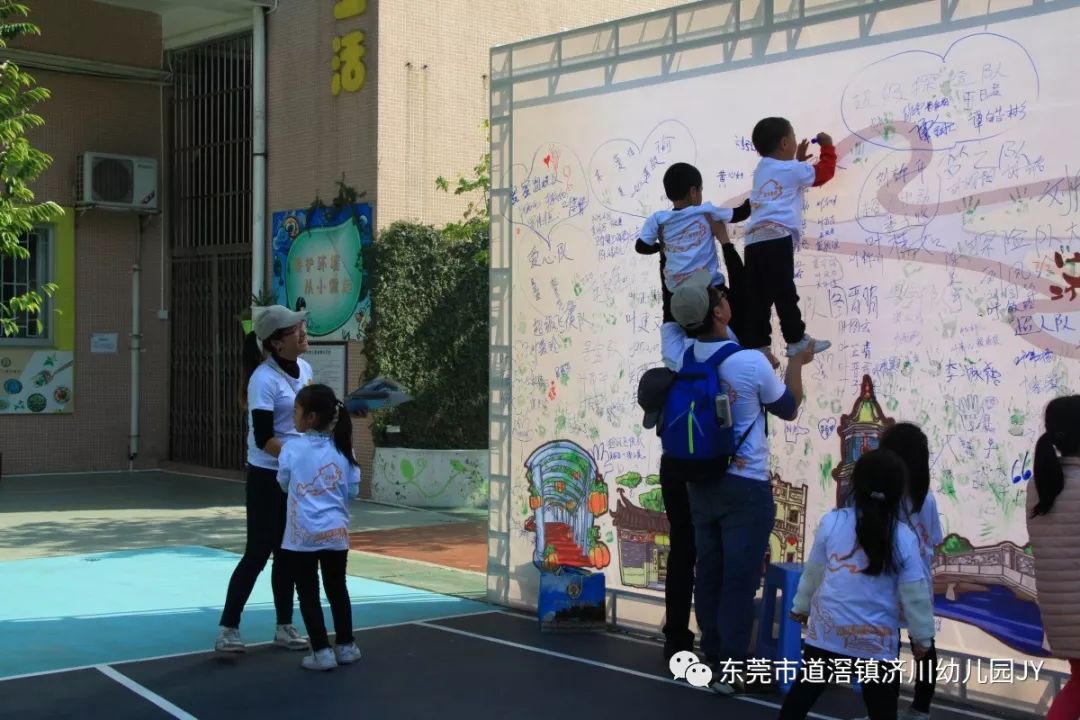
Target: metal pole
{"points": [[258, 194]]}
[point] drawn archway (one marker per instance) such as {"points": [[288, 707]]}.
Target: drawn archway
{"points": [[566, 494]]}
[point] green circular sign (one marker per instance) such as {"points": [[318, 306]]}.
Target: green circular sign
{"points": [[324, 269]]}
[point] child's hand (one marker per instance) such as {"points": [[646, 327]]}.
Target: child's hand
{"points": [[824, 139], [801, 154], [719, 231], [919, 651], [799, 617]]}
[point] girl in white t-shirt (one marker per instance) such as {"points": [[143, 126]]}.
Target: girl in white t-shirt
{"points": [[921, 515], [864, 567], [319, 472]]}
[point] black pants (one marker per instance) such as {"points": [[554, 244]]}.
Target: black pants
{"points": [[769, 281], [682, 555], [880, 697], [925, 680], [305, 567], [736, 291], [265, 529]]}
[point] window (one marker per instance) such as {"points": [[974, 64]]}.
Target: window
{"points": [[793, 516], [21, 275]]}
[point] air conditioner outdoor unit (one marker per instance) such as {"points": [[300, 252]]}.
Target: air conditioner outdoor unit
{"points": [[117, 182]]}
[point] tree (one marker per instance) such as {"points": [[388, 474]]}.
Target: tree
{"points": [[479, 182], [20, 165]]}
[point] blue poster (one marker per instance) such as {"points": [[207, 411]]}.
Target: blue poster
{"points": [[322, 264]]}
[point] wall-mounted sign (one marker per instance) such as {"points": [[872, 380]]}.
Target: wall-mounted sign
{"points": [[320, 265]]}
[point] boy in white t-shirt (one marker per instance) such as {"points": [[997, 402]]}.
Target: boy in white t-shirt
{"points": [[780, 179], [683, 236]]}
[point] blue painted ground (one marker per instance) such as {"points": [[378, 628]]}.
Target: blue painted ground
{"points": [[997, 611], [87, 609]]}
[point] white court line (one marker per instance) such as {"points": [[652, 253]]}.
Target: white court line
{"points": [[606, 666], [618, 634], [145, 693], [211, 651]]}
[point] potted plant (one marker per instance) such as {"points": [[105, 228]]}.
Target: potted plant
{"points": [[264, 299]]}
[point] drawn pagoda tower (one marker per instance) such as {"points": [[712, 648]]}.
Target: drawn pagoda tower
{"points": [[859, 431]]}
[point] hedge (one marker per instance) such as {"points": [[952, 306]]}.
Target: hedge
{"points": [[430, 332]]}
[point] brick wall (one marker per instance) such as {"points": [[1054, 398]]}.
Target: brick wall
{"points": [[87, 114], [314, 138], [433, 89]]}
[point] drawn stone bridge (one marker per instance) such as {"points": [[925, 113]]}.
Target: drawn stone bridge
{"points": [[1003, 564]]}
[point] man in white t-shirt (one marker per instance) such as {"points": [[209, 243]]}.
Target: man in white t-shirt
{"points": [[733, 512]]}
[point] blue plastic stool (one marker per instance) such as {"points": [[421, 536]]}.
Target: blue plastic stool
{"points": [[783, 578]]}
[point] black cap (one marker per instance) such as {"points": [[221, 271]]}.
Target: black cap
{"points": [[652, 392]]}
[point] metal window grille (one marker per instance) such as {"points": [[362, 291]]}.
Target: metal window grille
{"points": [[210, 230], [19, 276]]}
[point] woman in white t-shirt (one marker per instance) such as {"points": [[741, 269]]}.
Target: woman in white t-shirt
{"points": [[275, 373], [863, 569], [320, 473], [910, 444]]}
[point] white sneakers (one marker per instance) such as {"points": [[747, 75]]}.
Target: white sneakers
{"points": [[327, 659], [288, 637], [347, 654], [319, 660], [228, 640], [794, 349]]}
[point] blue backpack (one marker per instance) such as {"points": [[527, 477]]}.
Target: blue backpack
{"points": [[691, 428]]}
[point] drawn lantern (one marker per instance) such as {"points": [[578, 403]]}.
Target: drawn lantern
{"points": [[598, 497]]}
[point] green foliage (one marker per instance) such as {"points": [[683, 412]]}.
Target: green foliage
{"points": [[653, 500], [20, 164], [629, 480], [430, 332], [955, 545], [347, 197], [480, 182]]}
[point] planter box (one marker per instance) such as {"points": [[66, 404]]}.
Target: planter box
{"points": [[431, 478]]}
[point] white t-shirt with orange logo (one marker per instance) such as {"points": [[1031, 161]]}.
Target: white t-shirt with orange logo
{"points": [[320, 482], [776, 202], [688, 241], [852, 613]]}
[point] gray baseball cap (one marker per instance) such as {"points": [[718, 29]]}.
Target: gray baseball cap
{"points": [[690, 301], [271, 318]]}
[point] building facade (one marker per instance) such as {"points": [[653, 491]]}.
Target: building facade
{"points": [[382, 97]]}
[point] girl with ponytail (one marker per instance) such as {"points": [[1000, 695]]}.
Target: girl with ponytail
{"points": [[920, 512], [863, 569], [1053, 504], [320, 474]]}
